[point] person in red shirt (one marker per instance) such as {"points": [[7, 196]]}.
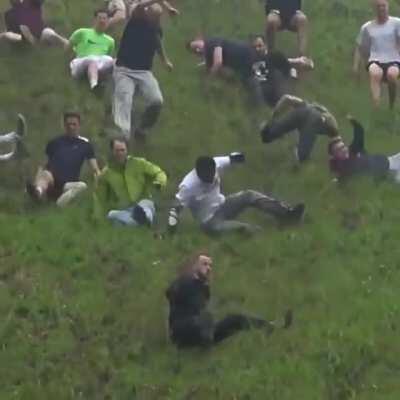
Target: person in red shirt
{"points": [[24, 22]]}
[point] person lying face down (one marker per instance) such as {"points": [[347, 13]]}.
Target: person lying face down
{"points": [[347, 161], [309, 119], [190, 321], [200, 191]]}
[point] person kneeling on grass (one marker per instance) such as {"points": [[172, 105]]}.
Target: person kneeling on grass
{"points": [[93, 49], [123, 192], [24, 23], [59, 179], [15, 139], [346, 161], [309, 119], [190, 321], [200, 191]]}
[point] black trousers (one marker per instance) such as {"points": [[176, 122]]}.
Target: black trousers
{"points": [[307, 120], [201, 330]]}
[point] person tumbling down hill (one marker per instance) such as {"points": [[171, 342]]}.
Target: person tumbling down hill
{"points": [[347, 161], [123, 192], [24, 23], [93, 49], [59, 179], [200, 191], [141, 40], [266, 74], [15, 139], [191, 324], [309, 119], [120, 10]]}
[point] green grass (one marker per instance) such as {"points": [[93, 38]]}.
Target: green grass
{"points": [[82, 309]]}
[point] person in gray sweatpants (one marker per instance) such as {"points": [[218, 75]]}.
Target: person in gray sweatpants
{"points": [[141, 40], [15, 139], [309, 119]]}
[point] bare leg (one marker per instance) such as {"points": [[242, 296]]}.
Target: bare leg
{"points": [[273, 24], [70, 191], [93, 75], [10, 37], [49, 36], [375, 79], [42, 182], [300, 25], [392, 77]]}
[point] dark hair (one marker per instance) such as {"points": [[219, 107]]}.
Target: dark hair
{"points": [[101, 11], [332, 144], [255, 36], [205, 166], [72, 114], [121, 139]]}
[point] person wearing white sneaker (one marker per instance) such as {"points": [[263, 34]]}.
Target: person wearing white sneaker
{"points": [[15, 139], [94, 50]]}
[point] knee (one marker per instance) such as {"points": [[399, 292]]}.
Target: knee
{"points": [[156, 102], [80, 187], [273, 22], [300, 20], [266, 134], [392, 74], [47, 34], [250, 195], [375, 73]]}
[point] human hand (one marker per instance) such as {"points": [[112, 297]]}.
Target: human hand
{"points": [[173, 12]]}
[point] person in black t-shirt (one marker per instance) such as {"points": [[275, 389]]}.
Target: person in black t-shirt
{"points": [[190, 321], [141, 40], [59, 179], [286, 14]]}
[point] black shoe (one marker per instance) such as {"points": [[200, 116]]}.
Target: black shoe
{"points": [[140, 216], [21, 126], [295, 213]]}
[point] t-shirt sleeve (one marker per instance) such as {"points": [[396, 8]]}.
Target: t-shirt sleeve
{"points": [[363, 39], [76, 37], [222, 162], [90, 154]]}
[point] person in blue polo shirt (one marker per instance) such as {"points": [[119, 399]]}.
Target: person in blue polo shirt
{"points": [[59, 179]]}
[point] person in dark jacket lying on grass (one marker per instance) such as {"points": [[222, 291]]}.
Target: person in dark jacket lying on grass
{"points": [[308, 118], [190, 321], [347, 161]]}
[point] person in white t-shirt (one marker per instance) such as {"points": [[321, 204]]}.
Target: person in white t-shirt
{"points": [[200, 191], [378, 43]]}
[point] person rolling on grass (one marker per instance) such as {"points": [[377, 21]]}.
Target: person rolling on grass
{"points": [[24, 23], [347, 161], [191, 324], [378, 43], [286, 15], [93, 49], [200, 191], [309, 119], [141, 40], [119, 10], [15, 139], [123, 192], [59, 179]]}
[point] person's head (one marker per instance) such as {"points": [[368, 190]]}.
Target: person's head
{"points": [[196, 45], [381, 9], [259, 45], [153, 13], [72, 123], [198, 265], [205, 169], [119, 150], [101, 20], [338, 150]]}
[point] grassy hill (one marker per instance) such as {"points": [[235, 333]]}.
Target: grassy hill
{"points": [[82, 309]]}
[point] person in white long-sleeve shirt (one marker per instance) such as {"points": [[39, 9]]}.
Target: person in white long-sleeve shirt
{"points": [[200, 191]]}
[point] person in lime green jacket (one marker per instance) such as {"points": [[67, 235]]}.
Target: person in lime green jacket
{"points": [[123, 192]]}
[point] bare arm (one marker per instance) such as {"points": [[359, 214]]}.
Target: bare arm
{"points": [[27, 34], [357, 60], [218, 60], [95, 167], [163, 56], [139, 6], [171, 10], [286, 102], [119, 16]]}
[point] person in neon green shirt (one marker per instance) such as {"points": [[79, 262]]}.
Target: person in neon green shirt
{"points": [[93, 49], [123, 192]]}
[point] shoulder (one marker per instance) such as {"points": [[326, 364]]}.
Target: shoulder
{"points": [[367, 25], [83, 139], [189, 180], [394, 20]]}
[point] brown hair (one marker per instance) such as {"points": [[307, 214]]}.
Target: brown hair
{"points": [[72, 114], [186, 267]]}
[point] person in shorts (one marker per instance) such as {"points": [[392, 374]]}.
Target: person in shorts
{"points": [[378, 44], [94, 50], [286, 15], [59, 179], [25, 23]]}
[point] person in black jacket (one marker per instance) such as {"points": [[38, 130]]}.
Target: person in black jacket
{"points": [[190, 321], [347, 161], [286, 15]]}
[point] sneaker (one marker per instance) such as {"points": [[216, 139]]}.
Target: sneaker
{"points": [[21, 126], [308, 64], [33, 192], [295, 213]]}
